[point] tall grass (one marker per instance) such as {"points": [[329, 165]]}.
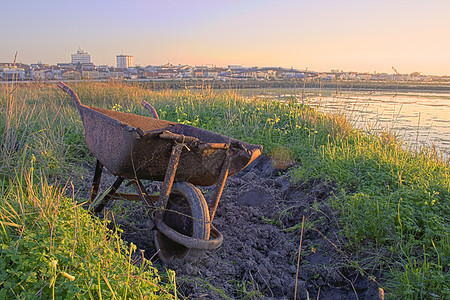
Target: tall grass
{"points": [[391, 200], [50, 246], [38, 121]]}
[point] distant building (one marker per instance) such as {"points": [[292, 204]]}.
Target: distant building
{"points": [[103, 72], [118, 73], [71, 75], [232, 67], [124, 61], [90, 74], [39, 65], [81, 57], [66, 66], [12, 74]]}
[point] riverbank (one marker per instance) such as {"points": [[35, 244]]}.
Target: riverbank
{"points": [[298, 83], [419, 119], [390, 206]]}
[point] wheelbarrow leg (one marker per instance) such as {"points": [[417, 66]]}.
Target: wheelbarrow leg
{"points": [[182, 222], [220, 185], [96, 181], [98, 209], [142, 192], [168, 180]]}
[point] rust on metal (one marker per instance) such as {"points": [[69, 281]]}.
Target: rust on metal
{"points": [[219, 186], [72, 94], [168, 180], [214, 242], [150, 108], [96, 181], [136, 197], [139, 148], [213, 146], [99, 208], [142, 193]]}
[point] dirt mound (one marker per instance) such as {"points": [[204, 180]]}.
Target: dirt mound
{"points": [[260, 216]]}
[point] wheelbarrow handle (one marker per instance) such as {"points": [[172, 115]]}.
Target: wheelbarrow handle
{"points": [[150, 108], [72, 94]]}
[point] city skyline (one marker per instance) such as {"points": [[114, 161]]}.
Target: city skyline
{"points": [[361, 36]]}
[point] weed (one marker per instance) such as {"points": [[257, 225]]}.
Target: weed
{"points": [[50, 246], [390, 199]]}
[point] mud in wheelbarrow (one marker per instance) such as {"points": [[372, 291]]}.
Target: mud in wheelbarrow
{"points": [[136, 148]]}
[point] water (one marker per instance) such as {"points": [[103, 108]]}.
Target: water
{"points": [[418, 118]]}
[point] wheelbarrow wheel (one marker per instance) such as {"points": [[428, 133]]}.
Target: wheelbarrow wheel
{"points": [[186, 212]]}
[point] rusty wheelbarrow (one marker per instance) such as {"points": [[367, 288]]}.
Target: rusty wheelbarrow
{"points": [[136, 148]]}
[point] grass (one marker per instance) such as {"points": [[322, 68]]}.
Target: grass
{"points": [[51, 247], [391, 200]]}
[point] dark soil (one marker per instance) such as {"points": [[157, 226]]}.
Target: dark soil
{"points": [[260, 216]]}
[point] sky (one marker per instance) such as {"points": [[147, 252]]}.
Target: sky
{"points": [[318, 35]]}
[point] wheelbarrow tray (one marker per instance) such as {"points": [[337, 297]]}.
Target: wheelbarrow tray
{"points": [[132, 146], [136, 147]]}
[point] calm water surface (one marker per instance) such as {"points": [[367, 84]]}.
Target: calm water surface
{"points": [[418, 118]]}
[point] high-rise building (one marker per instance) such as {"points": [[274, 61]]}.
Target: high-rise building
{"points": [[124, 61], [81, 57]]}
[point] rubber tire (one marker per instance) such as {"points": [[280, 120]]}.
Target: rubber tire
{"points": [[186, 212]]}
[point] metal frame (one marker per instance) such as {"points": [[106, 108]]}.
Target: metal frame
{"points": [[216, 239], [111, 137]]}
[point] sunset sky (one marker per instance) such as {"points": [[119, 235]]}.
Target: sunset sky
{"points": [[350, 35]]}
